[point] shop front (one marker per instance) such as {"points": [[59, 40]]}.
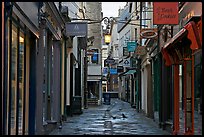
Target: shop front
{"points": [[21, 35], [181, 50]]}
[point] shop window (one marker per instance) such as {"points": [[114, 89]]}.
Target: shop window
{"points": [[13, 101], [21, 82], [16, 103]]}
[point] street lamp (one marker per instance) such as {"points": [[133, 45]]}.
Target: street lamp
{"points": [[108, 22], [107, 39]]}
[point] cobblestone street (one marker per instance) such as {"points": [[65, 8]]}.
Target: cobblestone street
{"points": [[119, 118]]}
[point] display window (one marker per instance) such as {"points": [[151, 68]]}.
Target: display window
{"points": [[15, 104]]}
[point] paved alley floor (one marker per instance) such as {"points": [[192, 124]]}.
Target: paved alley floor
{"points": [[118, 118]]}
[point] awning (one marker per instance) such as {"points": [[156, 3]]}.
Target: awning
{"points": [[129, 72], [182, 33], [169, 45], [191, 32]]}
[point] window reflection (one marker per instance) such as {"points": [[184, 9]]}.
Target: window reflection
{"points": [[13, 78], [15, 62], [21, 82]]}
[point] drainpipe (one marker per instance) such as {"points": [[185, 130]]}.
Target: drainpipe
{"points": [[160, 68], [85, 79]]}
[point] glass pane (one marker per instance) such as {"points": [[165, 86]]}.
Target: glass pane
{"points": [[21, 82], [8, 81], [13, 78]]}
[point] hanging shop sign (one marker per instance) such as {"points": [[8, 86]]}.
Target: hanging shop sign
{"points": [[131, 45], [141, 50], [109, 61], [105, 70], [119, 69], [125, 51], [76, 29], [165, 13], [113, 71], [148, 33], [126, 62], [133, 62]]}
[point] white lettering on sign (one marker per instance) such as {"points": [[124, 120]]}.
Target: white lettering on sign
{"points": [[76, 27]]}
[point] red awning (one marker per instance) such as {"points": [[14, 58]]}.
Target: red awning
{"points": [[193, 35], [169, 59], [182, 33], [190, 30]]}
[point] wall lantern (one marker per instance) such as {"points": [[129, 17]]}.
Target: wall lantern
{"points": [[107, 38]]}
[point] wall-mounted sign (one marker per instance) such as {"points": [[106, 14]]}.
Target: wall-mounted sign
{"points": [[147, 33], [76, 28], [141, 50], [131, 46], [165, 13]]}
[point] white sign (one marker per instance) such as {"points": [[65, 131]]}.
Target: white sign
{"points": [[126, 62]]}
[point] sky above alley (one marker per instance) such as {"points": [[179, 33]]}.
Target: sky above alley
{"points": [[110, 9]]}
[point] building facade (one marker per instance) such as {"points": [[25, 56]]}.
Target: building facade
{"points": [[33, 39], [93, 12]]}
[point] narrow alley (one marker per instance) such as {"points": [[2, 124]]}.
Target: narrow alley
{"points": [[109, 120], [101, 68]]}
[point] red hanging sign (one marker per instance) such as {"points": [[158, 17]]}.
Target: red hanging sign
{"points": [[165, 13]]}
